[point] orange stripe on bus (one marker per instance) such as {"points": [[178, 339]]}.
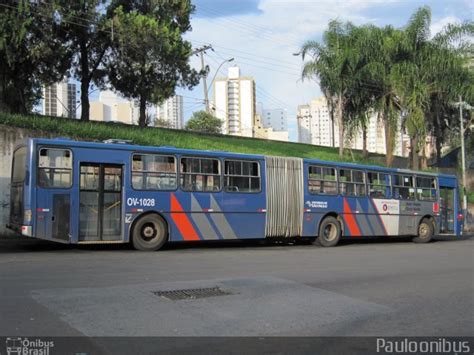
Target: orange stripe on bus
{"points": [[350, 220], [182, 221]]}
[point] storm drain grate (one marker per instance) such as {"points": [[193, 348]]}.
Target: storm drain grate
{"points": [[191, 294]]}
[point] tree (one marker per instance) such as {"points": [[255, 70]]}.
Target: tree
{"points": [[86, 29], [149, 57], [432, 75], [333, 63], [161, 122], [31, 53], [382, 49], [201, 121], [360, 99], [450, 76]]}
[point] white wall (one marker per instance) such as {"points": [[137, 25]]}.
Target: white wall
{"points": [[246, 108], [220, 102]]}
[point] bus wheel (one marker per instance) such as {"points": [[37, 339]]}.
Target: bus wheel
{"points": [[425, 232], [149, 233], [329, 232]]}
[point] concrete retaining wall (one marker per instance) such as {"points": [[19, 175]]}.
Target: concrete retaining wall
{"points": [[8, 138]]}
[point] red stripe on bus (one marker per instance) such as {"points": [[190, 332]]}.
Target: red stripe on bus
{"points": [[182, 221], [350, 221]]}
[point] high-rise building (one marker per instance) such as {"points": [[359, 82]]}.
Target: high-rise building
{"points": [[234, 103], [303, 120], [113, 108], [316, 127], [171, 111], [260, 131], [271, 123], [276, 118], [59, 99]]}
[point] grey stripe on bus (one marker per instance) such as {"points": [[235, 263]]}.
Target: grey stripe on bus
{"points": [[203, 224], [362, 220], [220, 221], [374, 219]]}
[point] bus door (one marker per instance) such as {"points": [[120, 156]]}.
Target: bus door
{"points": [[53, 194], [100, 202], [448, 206], [446, 210], [244, 199]]}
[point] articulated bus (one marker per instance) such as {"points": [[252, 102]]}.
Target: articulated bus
{"points": [[116, 192]]}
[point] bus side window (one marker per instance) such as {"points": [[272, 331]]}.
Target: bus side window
{"points": [[322, 180], [379, 184], [54, 168], [403, 187], [426, 188], [241, 176], [352, 182], [200, 174], [154, 172]]}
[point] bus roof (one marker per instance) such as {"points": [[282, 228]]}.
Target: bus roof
{"points": [[65, 142]]}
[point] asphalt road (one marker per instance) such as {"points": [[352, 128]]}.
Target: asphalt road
{"points": [[370, 288]]}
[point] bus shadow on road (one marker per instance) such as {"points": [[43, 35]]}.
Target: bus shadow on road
{"points": [[25, 245]]}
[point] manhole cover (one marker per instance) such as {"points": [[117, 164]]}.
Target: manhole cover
{"points": [[194, 293]]}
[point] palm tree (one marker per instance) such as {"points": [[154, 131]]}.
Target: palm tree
{"points": [[430, 76], [381, 49], [452, 75], [361, 99], [332, 63]]}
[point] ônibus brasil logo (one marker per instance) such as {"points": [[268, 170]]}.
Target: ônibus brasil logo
{"points": [[25, 346]]}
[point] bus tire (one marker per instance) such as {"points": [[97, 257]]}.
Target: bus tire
{"points": [[329, 232], [425, 231], [149, 233]]}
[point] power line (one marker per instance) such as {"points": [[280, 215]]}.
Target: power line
{"points": [[241, 51], [281, 44], [258, 60], [259, 29]]}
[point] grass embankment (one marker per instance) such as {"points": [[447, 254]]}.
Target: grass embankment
{"points": [[178, 138]]}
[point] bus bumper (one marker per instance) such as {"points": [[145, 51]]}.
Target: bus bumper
{"points": [[27, 231]]}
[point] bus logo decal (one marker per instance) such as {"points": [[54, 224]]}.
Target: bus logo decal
{"points": [[317, 204]]}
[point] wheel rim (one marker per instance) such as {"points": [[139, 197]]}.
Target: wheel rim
{"points": [[149, 232], [330, 232], [424, 230]]}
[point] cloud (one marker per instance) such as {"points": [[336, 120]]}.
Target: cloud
{"points": [[438, 25]]}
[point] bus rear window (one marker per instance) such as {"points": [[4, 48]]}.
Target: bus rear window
{"points": [[19, 165], [55, 168]]}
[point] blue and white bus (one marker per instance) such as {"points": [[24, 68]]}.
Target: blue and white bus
{"points": [[87, 193]]}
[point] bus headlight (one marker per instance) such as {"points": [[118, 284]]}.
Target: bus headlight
{"points": [[27, 216]]}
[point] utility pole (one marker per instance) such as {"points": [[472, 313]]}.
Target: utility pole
{"points": [[201, 51], [463, 156]]}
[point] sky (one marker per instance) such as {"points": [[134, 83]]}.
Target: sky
{"points": [[263, 35]]}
